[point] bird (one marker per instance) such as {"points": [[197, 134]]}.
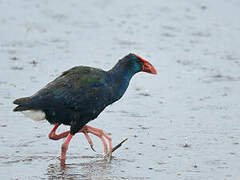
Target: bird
{"points": [[78, 96]]}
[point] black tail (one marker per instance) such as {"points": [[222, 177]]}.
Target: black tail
{"points": [[21, 101], [22, 104], [20, 108]]}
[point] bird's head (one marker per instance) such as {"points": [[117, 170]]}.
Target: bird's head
{"points": [[136, 64]]}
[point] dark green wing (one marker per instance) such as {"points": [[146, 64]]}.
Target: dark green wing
{"points": [[80, 89]]}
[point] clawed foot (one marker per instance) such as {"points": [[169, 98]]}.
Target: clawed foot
{"points": [[100, 134], [108, 150]]}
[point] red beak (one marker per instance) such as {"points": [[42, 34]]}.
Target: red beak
{"points": [[147, 66]]}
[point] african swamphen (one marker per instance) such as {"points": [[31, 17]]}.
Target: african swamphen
{"points": [[79, 95]]}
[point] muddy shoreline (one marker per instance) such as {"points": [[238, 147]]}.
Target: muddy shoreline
{"points": [[182, 124]]}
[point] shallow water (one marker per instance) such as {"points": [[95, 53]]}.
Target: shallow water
{"points": [[181, 124]]}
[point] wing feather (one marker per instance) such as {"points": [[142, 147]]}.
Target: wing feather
{"points": [[81, 88]]}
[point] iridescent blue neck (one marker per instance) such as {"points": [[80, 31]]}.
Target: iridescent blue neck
{"points": [[121, 74], [120, 78]]}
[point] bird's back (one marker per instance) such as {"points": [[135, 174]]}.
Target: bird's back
{"points": [[79, 93]]}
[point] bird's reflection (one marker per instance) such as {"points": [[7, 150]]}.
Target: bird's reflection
{"points": [[88, 167]]}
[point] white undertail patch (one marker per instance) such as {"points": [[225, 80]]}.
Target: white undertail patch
{"points": [[35, 115]]}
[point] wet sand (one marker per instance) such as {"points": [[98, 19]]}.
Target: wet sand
{"points": [[181, 124]]}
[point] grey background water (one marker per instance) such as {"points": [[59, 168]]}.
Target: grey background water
{"points": [[181, 124]]}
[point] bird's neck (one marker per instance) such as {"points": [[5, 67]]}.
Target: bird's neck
{"points": [[121, 74], [120, 78]]}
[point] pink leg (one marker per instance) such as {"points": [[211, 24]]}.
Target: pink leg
{"points": [[65, 147], [100, 133], [52, 135], [84, 131], [102, 139], [97, 132]]}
